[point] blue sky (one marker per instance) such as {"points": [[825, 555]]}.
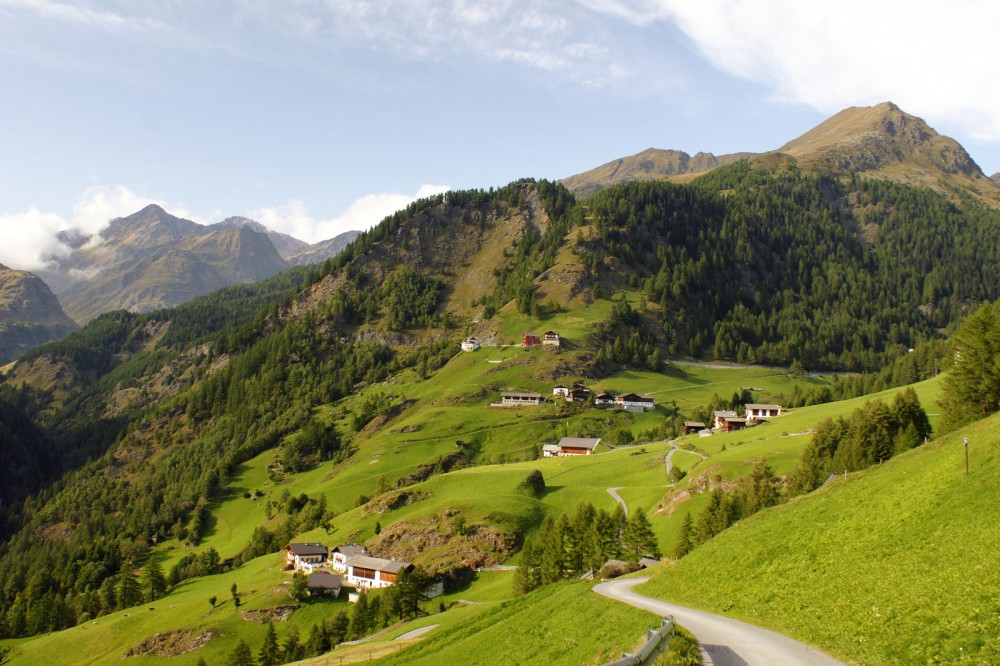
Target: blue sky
{"points": [[317, 116]]}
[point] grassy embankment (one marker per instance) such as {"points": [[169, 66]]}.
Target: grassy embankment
{"points": [[897, 564]]}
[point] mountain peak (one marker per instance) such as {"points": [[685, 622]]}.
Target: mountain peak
{"points": [[881, 138]]}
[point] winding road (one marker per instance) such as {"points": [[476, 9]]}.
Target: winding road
{"points": [[618, 498], [723, 641]]}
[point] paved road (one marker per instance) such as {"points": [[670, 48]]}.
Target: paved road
{"points": [[416, 633], [618, 498], [723, 641], [668, 460]]}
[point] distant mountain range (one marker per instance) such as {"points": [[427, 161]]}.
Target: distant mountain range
{"points": [[880, 141], [152, 259]]}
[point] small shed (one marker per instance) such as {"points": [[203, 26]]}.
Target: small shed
{"points": [[692, 427]]}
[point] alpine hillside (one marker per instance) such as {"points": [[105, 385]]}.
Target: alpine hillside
{"points": [[30, 314]]}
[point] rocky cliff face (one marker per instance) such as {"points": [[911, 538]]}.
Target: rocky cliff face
{"points": [[30, 314]]}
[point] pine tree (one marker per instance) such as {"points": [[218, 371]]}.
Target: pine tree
{"points": [[129, 591], [293, 648], [241, 655], [155, 584], [270, 653], [684, 537], [527, 577], [300, 586], [638, 539]]}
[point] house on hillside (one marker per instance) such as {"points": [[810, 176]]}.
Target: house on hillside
{"points": [[550, 338], [470, 344], [304, 557], [604, 400], [719, 417], [520, 398], [760, 412], [367, 572], [733, 423], [339, 555], [635, 403], [574, 446], [692, 427], [324, 584], [561, 391], [531, 340]]}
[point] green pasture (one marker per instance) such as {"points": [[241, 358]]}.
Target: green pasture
{"points": [[896, 565]]}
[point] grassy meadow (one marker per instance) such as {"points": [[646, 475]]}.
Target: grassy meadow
{"points": [[896, 565]]}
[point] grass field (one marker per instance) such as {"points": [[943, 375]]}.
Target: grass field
{"points": [[897, 565]]}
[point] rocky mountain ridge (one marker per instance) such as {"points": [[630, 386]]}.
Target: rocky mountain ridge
{"points": [[880, 141]]}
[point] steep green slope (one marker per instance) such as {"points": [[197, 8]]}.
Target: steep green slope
{"points": [[898, 564]]}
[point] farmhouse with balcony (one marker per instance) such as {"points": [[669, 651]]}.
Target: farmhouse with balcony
{"points": [[531, 340], [304, 557], [604, 400], [339, 555], [561, 391], [366, 572], [550, 338], [692, 427], [635, 403], [520, 398], [470, 344]]}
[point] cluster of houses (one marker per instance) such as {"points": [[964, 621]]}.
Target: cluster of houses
{"points": [[528, 341], [730, 421], [346, 566], [630, 402]]}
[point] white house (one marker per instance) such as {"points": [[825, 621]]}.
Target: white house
{"points": [[305, 556], [561, 391], [633, 402], [516, 399], [364, 571], [761, 412], [339, 555], [604, 399], [470, 344], [550, 338]]}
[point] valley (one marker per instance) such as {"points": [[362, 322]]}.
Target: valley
{"points": [[157, 463]]}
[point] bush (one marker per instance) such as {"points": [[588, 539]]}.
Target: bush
{"points": [[536, 482]]}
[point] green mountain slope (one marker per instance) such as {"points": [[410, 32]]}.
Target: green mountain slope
{"points": [[897, 564]]}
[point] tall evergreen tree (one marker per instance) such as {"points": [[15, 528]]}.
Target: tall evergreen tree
{"points": [[684, 537], [270, 652], [241, 655], [527, 577], [638, 539]]}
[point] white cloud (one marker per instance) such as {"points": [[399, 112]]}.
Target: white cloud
{"points": [[295, 220], [29, 240], [932, 58], [48, 9]]}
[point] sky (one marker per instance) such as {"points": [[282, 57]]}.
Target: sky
{"points": [[319, 116]]}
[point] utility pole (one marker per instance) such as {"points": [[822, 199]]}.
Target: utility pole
{"points": [[965, 442]]}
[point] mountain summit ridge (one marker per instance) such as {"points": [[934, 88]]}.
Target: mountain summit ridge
{"points": [[880, 141]]}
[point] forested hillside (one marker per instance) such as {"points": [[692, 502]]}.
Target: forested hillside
{"points": [[150, 416]]}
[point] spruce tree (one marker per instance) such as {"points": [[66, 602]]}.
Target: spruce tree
{"points": [[241, 655], [527, 577], [270, 653], [684, 537]]}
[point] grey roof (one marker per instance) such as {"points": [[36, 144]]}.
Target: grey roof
{"points": [[754, 405], [324, 580], [550, 447], [694, 424], [520, 394], [349, 549], [580, 442], [378, 563], [301, 549], [724, 414]]}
